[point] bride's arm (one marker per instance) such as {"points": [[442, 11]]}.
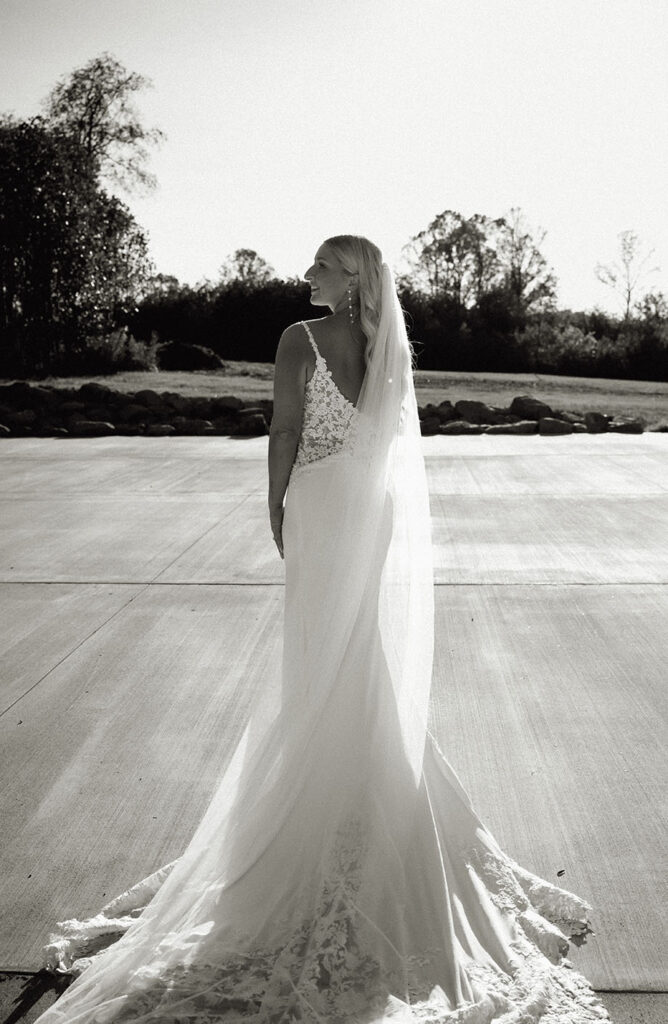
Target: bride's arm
{"points": [[286, 422]]}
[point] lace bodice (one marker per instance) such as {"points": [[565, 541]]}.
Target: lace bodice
{"points": [[328, 423]]}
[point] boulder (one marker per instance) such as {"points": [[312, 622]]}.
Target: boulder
{"points": [[549, 426], [659, 428], [92, 391], [174, 355], [192, 425], [568, 417], [200, 407], [528, 408], [72, 407], [149, 398], [4, 431], [446, 412], [461, 427], [91, 428], [99, 412], [19, 393], [579, 428], [222, 404], [520, 427], [596, 422], [430, 425], [160, 430], [253, 425], [176, 401], [22, 418], [477, 412], [626, 425], [131, 429], [133, 412]]}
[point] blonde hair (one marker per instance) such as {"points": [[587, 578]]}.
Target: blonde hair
{"points": [[357, 255]]}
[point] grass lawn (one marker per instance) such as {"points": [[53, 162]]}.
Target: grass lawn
{"points": [[648, 399]]}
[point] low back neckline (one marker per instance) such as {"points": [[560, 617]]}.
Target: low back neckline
{"points": [[321, 364]]}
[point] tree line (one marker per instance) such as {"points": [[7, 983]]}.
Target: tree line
{"points": [[75, 274]]}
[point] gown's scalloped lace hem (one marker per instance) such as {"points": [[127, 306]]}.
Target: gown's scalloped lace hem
{"points": [[322, 975]]}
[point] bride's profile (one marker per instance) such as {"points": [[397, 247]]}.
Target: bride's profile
{"points": [[340, 873]]}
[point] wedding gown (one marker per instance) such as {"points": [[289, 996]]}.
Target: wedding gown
{"points": [[337, 876]]}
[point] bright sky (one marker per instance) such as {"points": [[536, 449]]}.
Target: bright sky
{"points": [[291, 120]]}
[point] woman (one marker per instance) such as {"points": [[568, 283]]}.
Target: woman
{"points": [[340, 873]]}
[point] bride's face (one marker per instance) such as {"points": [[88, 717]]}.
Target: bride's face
{"points": [[328, 280]]}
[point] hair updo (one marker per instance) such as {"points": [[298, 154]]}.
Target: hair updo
{"points": [[358, 255]]}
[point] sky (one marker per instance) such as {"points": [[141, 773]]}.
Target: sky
{"points": [[287, 121]]}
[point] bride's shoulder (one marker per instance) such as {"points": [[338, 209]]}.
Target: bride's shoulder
{"points": [[293, 345]]}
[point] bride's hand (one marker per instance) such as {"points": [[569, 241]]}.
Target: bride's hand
{"points": [[276, 520]]}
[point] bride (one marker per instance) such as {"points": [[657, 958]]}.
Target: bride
{"points": [[340, 874]]}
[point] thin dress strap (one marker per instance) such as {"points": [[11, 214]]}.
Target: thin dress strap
{"points": [[312, 340]]}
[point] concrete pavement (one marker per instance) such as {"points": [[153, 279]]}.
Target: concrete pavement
{"points": [[140, 589]]}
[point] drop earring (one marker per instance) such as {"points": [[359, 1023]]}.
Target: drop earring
{"points": [[350, 303]]}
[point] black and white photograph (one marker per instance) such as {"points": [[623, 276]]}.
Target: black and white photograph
{"points": [[333, 511]]}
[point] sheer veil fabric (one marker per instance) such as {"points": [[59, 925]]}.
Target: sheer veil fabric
{"points": [[340, 873]]}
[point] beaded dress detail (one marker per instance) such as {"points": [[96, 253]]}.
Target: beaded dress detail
{"points": [[328, 424]]}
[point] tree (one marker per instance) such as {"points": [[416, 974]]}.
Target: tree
{"points": [[451, 258], [526, 276], [463, 260], [246, 266], [93, 104], [72, 257], [653, 306], [625, 274]]}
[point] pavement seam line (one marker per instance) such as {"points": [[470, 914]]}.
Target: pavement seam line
{"points": [[122, 608]]}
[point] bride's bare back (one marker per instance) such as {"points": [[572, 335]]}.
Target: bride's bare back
{"points": [[342, 348]]}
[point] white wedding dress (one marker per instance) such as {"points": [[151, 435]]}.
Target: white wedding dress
{"points": [[340, 873]]}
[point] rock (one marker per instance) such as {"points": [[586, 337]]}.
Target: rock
{"points": [[22, 418], [134, 413], [174, 355], [251, 410], [626, 425], [446, 412], [477, 412], [659, 428], [520, 427], [19, 393], [92, 391], [430, 425], [528, 408], [225, 403], [568, 417], [549, 426], [201, 407], [99, 412], [149, 398], [131, 429], [91, 428], [596, 422], [443, 412], [251, 426], [160, 430], [461, 427], [190, 425], [4, 431], [71, 407], [176, 401], [579, 428]]}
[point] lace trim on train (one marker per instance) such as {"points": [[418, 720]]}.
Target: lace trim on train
{"points": [[322, 973]]}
